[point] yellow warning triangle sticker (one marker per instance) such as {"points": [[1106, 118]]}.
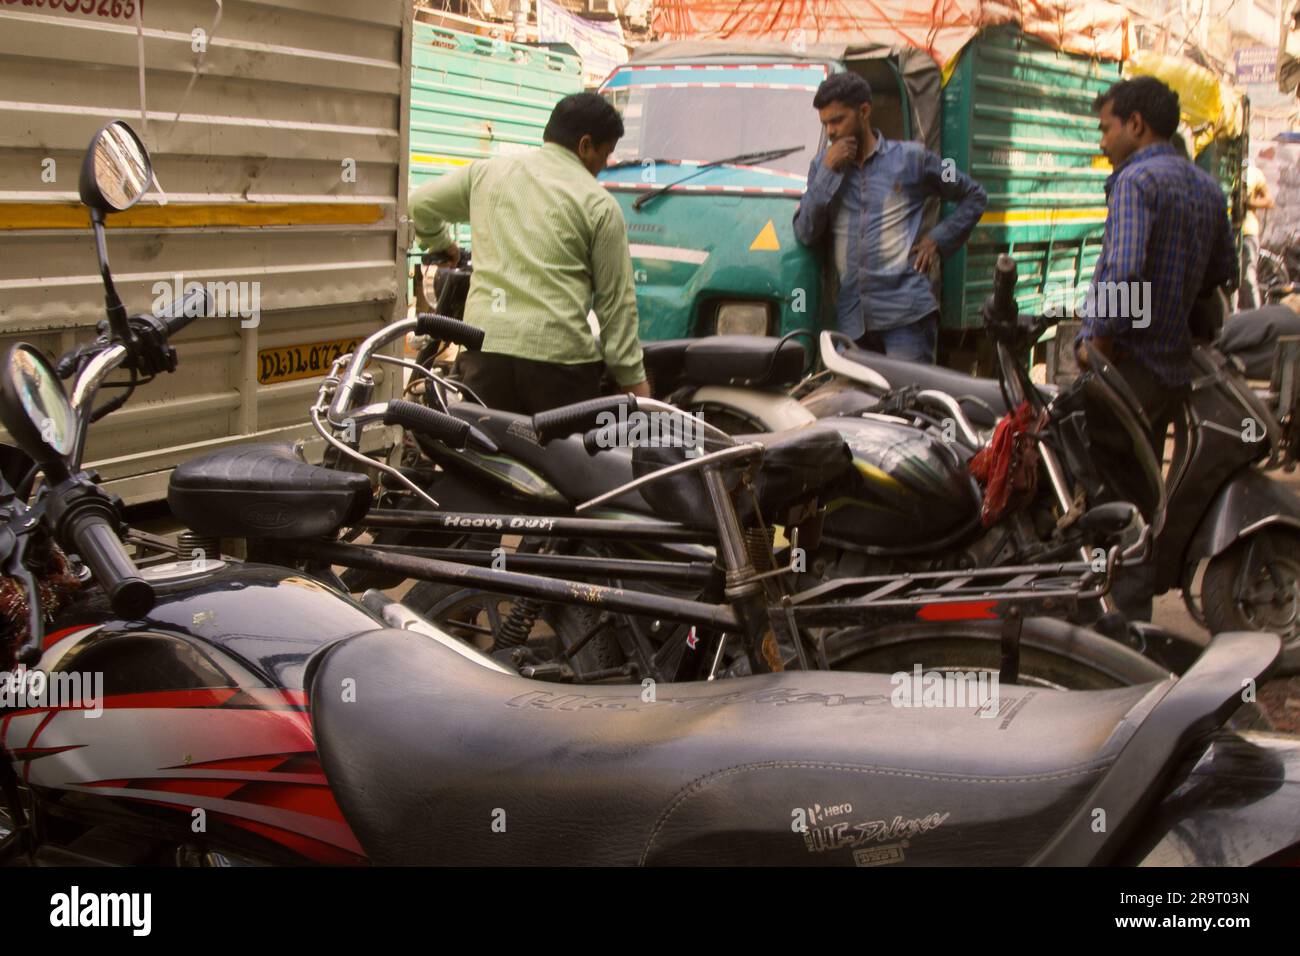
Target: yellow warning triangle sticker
{"points": [[766, 239]]}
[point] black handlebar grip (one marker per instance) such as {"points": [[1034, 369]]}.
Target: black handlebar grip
{"points": [[1004, 286], [449, 330], [578, 417], [193, 305], [428, 421], [596, 440], [130, 595]]}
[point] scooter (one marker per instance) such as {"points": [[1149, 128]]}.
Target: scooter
{"points": [[249, 714]]}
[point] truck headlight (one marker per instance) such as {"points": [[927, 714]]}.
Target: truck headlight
{"points": [[742, 318]]}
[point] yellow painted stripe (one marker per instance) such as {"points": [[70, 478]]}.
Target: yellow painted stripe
{"points": [[439, 160], [38, 215], [874, 474], [1042, 217]]}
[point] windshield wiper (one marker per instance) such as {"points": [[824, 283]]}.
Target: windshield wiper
{"points": [[639, 161], [747, 159]]}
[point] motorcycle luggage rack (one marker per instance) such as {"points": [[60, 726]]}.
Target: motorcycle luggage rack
{"points": [[980, 594]]}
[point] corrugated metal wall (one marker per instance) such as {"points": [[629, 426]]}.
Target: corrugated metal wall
{"points": [[1018, 117], [473, 97], [292, 95]]}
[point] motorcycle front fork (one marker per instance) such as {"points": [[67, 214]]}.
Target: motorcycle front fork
{"points": [[743, 589]]}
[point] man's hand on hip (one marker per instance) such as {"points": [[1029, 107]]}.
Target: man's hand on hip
{"points": [[927, 254]]}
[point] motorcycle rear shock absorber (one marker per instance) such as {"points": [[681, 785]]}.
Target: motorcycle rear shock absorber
{"points": [[514, 630]]}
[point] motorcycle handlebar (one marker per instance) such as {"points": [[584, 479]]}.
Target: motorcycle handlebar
{"points": [[94, 539], [449, 330], [193, 305], [578, 417], [428, 421]]}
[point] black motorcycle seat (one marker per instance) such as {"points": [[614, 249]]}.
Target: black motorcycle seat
{"points": [[901, 373], [1252, 337], [564, 462], [664, 362], [753, 360], [263, 490], [439, 760], [795, 464]]}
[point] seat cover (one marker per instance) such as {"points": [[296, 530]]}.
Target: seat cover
{"points": [[265, 491], [663, 362], [439, 760], [755, 360]]}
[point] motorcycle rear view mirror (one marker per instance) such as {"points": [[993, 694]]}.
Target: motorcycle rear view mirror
{"points": [[116, 172], [35, 409]]}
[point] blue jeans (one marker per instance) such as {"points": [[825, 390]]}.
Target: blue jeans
{"points": [[915, 342]]}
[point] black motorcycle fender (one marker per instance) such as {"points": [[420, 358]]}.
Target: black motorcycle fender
{"points": [[1238, 804], [1248, 502]]}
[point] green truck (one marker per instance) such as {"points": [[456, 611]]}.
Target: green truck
{"points": [[717, 253]]}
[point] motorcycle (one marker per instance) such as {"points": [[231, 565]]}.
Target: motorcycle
{"points": [[250, 714], [741, 611], [908, 506], [1230, 533]]}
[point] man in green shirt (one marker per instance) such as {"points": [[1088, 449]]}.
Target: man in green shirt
{"points": [[550, 245]]}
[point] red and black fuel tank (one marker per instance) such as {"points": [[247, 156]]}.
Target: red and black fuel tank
{"points": [[200, 706], [909, 491], [271, 619]]}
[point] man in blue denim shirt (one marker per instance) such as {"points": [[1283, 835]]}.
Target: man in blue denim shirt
{"points": [[868, 193]]}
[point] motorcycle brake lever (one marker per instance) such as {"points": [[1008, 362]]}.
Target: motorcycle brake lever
{"points": [[70, 363]]}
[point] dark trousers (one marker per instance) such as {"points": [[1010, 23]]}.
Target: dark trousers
{"points": [[524, 385], [1134, 588], [1160, 402], [915, 342]]}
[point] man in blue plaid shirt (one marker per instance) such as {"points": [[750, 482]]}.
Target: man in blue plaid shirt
{"points": [[1167, 242]]}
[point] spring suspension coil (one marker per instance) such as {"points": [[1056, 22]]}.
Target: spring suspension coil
{"points": [[758, 545], [514, 630], [190, 545]]}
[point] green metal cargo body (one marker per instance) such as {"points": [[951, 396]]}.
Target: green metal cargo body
{"points": [[474, 97], [1017, 115]]}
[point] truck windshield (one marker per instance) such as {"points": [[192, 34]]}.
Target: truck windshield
{"points": [[703, 124]]}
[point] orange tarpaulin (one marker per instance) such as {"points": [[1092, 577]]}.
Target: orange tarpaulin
{"points": [[1096, 28]]}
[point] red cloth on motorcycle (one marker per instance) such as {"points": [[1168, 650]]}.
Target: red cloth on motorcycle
{"points": [[1008, 466]]}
